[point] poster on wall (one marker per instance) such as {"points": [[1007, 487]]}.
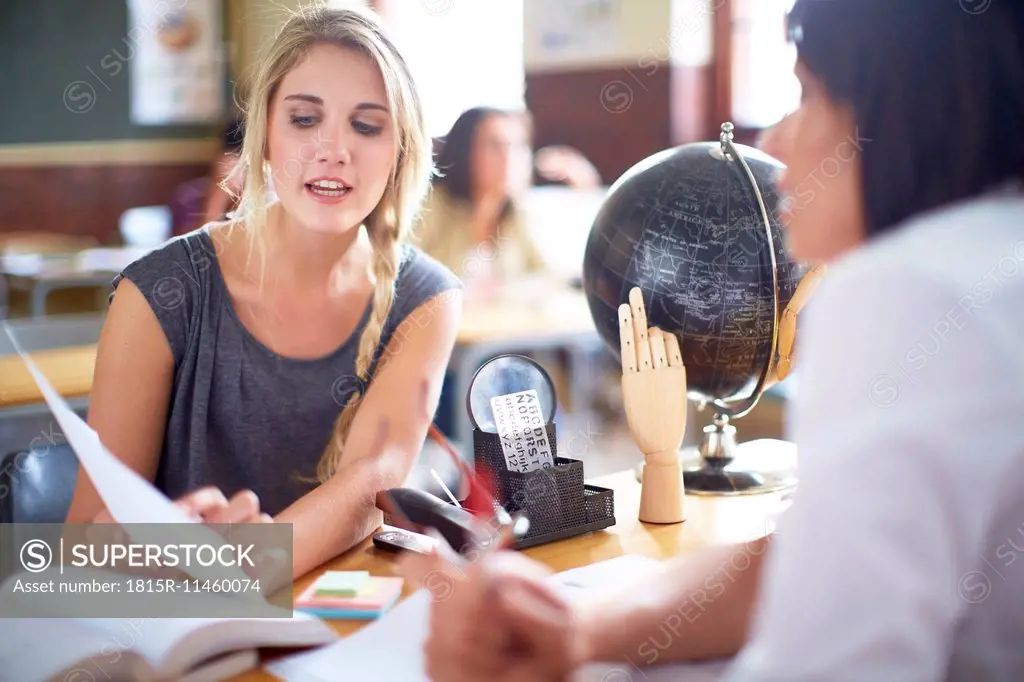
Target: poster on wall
{"points": [[178, 71], [579, 29]]}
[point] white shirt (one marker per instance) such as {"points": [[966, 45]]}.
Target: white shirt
{"points": [[902, 556]]}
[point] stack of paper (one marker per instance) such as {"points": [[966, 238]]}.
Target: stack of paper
{"points": [[340, 583], [349, 594]]}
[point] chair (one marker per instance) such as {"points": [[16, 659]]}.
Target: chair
{"points": [[36, 485]]}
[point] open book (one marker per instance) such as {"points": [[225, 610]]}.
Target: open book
{"points": [[147, 649]]}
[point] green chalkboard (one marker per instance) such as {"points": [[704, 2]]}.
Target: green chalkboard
{"points": [[57, 54]]}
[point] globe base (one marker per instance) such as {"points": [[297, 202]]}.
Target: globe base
{"points": [[761, 466], [713, 480]]}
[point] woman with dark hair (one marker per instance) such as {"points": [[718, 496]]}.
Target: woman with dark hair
{"points": [[472, 222], [898, 559]]}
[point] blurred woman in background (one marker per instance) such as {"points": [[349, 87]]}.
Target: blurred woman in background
{"points": [[472, 222]]}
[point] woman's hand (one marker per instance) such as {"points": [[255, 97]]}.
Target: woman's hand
{"points": [[205, 505], [560, 163], [209, 505], [494, 620]]}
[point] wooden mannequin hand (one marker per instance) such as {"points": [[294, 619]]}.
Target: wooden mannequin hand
{"points": [[654, 396]]}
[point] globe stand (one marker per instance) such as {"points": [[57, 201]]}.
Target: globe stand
{"points": [[717, 452], [711, 476]]}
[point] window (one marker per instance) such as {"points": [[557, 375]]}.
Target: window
{"points": [[763, 88], [462, 54]]}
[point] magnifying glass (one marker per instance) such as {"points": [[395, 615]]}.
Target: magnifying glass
{"points": [[504, 375]]}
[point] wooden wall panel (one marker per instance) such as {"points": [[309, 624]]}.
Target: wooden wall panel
{"points": [[85, 200], [618, 116], [692, 101]]}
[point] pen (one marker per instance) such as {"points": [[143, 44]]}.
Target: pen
{"points": [[485, 545], [474, 482], [509, 528], [440, 482]]}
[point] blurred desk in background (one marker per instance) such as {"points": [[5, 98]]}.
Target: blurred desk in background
{"points": [[38, 275], [521, 319], [64, 350], [68, 369], [542, 308]]}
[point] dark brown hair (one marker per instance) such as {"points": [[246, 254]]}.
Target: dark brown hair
{"points": [[937, 92], [453, 163]]}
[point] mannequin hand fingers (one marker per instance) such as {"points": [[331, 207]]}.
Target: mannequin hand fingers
{"points": [[672, 350], [643, 349], [627, 347], [656, 340]]}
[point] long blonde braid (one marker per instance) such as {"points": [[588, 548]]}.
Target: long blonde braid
{"points": [[384, 268]]}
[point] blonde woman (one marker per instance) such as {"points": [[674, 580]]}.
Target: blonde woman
{"points": [[289, 360]]}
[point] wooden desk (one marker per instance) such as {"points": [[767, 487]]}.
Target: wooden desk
{"points": [[69, 369], [709, 521]]}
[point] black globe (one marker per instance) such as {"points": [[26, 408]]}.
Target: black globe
{"points": [[686, 227]]}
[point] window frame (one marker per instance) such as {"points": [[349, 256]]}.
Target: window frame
{"points": [[724, 51]]}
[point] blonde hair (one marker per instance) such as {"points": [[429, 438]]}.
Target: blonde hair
{"points": [[389, 224]]}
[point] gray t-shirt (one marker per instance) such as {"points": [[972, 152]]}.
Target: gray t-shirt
{"points": [[241, 416]]}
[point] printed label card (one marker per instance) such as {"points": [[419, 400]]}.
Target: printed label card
{"points": [[523, 433]]}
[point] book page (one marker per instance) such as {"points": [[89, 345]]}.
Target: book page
{"points": [[586, 581], [170, 645], [82, 653], [175, 645], [223, 667]]}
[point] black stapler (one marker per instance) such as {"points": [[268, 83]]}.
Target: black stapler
{"points": [[417, 511]]}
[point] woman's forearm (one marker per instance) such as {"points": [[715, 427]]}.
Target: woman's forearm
{"points": [[338, 514], [697, 607]]}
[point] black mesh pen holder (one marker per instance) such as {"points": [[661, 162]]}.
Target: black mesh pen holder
{"points": [[555, 499]]}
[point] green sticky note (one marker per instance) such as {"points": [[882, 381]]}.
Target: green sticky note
{"points": [[341, 583]]}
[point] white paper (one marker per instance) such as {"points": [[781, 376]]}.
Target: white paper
{"points": [[580, 582], [390, 649], [129, 497], [522, 431]]}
